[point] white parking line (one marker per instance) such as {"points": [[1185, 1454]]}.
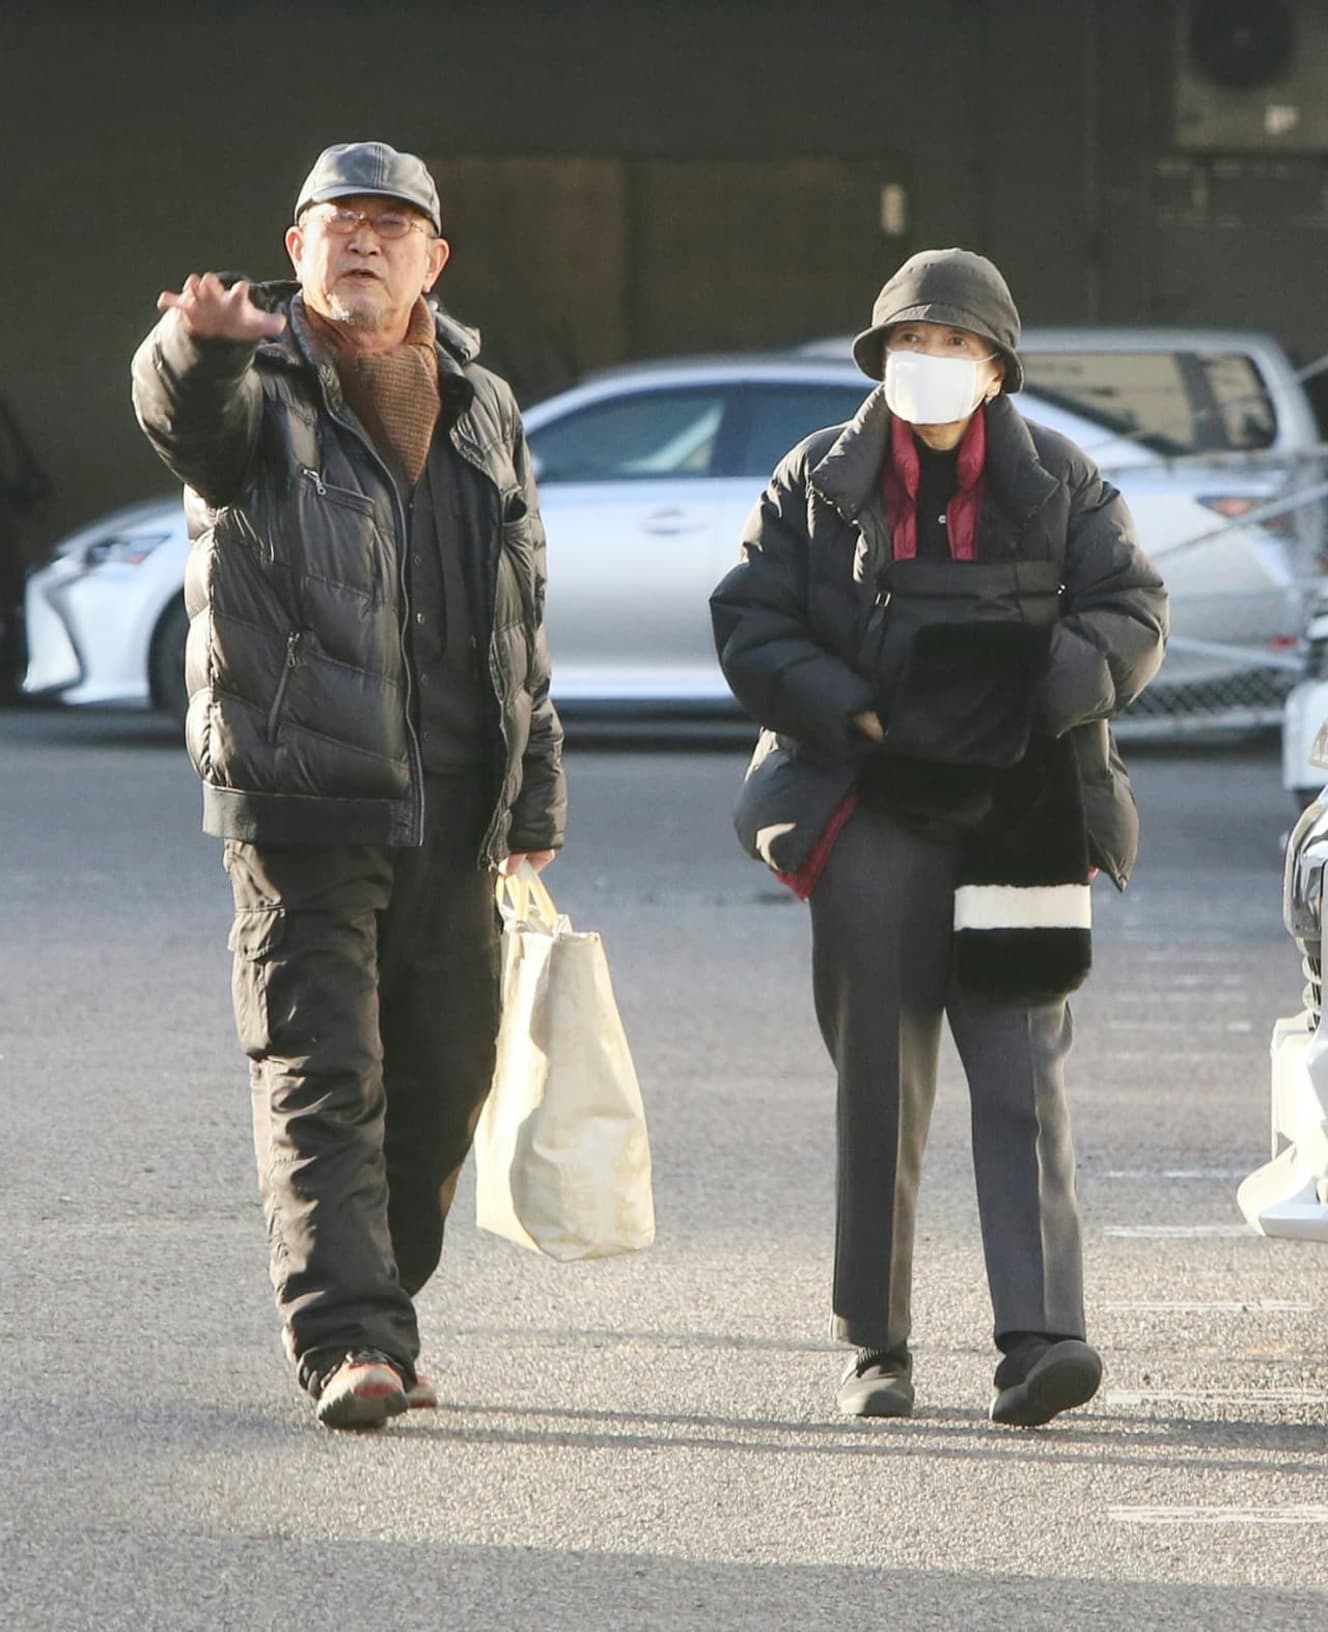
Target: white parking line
{"points": [[1260, 1306], [1208, 1396], [1170, 1056], [1202, 976], [1111, 1022], [1121, 1023], [1214, 1173], [1174, 1232], [1204, 980], [1219, 1515], [1158, 1001]]}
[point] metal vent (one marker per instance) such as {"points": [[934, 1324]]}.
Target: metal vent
{"points": [[1252, 76], [1242, 44]]}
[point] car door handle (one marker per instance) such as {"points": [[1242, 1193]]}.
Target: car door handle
{"points": [[673, 521]]}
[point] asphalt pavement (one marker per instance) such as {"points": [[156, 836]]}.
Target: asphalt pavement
{"points": [[651, 1441]]}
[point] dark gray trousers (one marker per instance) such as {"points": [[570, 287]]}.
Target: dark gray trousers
{"points": [[882, 920], [366, 995]]}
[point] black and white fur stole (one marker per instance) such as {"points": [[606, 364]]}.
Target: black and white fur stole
{"points": [[1023, 917]]}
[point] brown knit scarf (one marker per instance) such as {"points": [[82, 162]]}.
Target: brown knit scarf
{"points": [[394, 393]]}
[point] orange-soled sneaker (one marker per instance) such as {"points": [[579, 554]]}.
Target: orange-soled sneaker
{"points": [[421, 1395], [362, 1391]]}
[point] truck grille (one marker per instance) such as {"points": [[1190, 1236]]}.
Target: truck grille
{"points": [[1313, 994]]}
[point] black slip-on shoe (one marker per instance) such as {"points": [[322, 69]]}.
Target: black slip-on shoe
{"points": [[363, 1391], [1040, 1380], [879, 1383]]}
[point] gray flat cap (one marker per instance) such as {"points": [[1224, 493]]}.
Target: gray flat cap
{"points": [[374, 168]]}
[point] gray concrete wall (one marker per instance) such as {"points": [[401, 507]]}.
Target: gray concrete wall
{"points": [[166, 139]]}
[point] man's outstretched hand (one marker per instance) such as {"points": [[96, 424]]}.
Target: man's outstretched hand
{"points": [[213, 312]]}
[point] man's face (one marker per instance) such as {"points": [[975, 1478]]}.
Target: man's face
{"points": [[360, 278]]}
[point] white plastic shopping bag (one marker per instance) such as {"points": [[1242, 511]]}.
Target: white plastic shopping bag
{"points": [[562, 1159]]}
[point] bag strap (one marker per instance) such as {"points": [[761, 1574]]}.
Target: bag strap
{"points": [[524, 898]]}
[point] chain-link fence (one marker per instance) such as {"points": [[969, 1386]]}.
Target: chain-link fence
{"points": [[1215, 454], [1240, 589]]}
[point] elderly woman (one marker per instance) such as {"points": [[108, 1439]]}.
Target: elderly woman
{"points": [[938, 608]]}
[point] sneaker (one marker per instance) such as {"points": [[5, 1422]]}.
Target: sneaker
{"points": [[1042, 1378], [421, 1395], [362, 1391], [879, 1383]]}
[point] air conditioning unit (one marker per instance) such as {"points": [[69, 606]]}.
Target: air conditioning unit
{"points": [[1252, 76]]}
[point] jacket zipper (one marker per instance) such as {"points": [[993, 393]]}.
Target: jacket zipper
{"points": [[287, 669], [338, 495], [403, 623], [491, 832]]}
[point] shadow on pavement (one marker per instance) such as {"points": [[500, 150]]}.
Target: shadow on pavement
{"points": [[946, 1433], [35, 720], [255, 1582], [49, 725]]}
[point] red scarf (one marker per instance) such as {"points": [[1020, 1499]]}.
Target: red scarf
{"points": [[804, 881], [901, 473]]}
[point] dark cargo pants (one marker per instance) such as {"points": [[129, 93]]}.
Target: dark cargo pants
{"points": [[366, 996], [882, 921]]}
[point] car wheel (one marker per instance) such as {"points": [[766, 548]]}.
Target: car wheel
{"points": [[166, 661]]}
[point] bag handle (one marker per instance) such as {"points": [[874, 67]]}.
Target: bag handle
{"points": [[524, 898]]}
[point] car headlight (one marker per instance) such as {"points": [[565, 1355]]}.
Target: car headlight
{"points": [[1302, 880], [123, 549]]}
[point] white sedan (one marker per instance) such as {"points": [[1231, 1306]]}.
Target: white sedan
{"points": [[647, 474]]}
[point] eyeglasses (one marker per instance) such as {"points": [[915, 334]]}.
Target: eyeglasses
{"points": [[389, 224]]}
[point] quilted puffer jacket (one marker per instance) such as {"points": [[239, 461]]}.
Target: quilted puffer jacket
{"points": [[817, 623], [299, 719]]}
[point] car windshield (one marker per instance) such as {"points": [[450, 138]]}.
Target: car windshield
{"points": [[1171, 402]]}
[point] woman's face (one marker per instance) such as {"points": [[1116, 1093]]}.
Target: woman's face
{"points": [[940, 340]]}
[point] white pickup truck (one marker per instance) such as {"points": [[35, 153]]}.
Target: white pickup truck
{"points": [[1288, 1195]]}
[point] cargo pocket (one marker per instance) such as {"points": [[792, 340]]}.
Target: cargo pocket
{"points": [[255, 936]]}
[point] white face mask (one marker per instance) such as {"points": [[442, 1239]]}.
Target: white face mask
{"points": [[932, 390]]}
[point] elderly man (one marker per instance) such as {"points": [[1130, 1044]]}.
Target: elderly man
{"points": [[370, 716]]}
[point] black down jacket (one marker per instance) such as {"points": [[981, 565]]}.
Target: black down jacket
{"points": [[817, 623], [299, 717]]}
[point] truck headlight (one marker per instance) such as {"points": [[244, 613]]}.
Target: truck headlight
{"points": [[1302, 880]]}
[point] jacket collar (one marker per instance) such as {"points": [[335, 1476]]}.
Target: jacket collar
{"points": [[849, 476]]}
